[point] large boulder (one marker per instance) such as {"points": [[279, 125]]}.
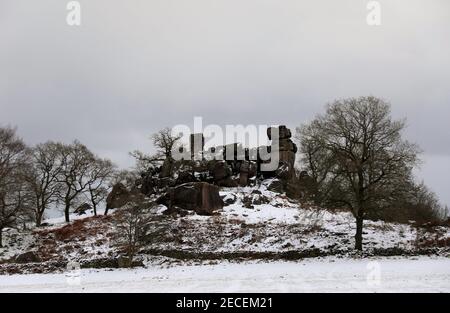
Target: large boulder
{"points": [[283, 132], [120, 196], [222, 173], [286, 152], [243, 175], [184, 177], [147, 184], [200, 197], [166, 168]]}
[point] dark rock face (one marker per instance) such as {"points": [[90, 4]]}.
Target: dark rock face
{"points": [[200, 197], [283, 132], [184, 177], [28, 257], [147, 184], [120, 196], [286, 152], [221, 173], [239, 167], [166, 169], [244, 173]]}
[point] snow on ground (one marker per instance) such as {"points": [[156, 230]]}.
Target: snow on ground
{"points": [[14, 242], [423, 274], [256, 223]]}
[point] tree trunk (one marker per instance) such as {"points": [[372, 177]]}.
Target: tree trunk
{"points": [[359, 233], [106, 210], [67, 213], [94, 206], [39, 219], [1, 239]]}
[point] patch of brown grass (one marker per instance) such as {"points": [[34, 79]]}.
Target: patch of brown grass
{"points": [[79, 230]]}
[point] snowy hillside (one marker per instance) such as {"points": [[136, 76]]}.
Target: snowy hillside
{"points": [[255, 224]]}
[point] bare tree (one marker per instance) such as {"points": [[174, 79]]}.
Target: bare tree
{"points": [[132, 226], [165, 142], [100, 174], [43, 178], [317, 160], [126, 177], [76, 160], [413, 202], [14, 195], [365, 154]]}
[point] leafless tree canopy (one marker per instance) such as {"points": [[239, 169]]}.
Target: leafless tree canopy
{"points": [[100, 174], [43, 178], [14, 195], [356, 154], [165, 142], [48, 175]]}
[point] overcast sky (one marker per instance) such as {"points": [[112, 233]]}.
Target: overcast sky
{"points": [[136, 66]]}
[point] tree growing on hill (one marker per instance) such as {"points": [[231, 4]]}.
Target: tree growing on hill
{"points": [[83, 173], [101, 172], [363, 156], [76, 160], [132, 226], [165, 142], [14, 195], [43, 177]]}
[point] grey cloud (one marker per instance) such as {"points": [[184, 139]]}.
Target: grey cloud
{"points": [[134, 67]]}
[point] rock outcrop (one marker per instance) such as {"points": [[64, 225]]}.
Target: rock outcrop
{"points": [[286, 152], [200, 197], [120, 196], [193, 184]]}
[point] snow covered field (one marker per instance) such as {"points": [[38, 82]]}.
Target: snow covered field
{"points": [[422, 274]]}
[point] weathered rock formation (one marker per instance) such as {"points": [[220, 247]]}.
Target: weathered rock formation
{"points": [[121, 196], [193, 184], [286, 152], [200, 197], [239, 166]]}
